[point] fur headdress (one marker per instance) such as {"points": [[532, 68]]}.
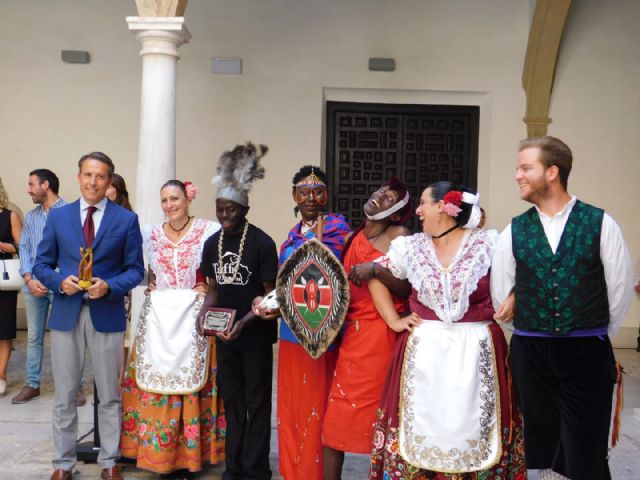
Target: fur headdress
{"points": [[237, 170]]}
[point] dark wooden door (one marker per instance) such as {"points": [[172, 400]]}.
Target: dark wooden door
{"points": [[420, 144]]}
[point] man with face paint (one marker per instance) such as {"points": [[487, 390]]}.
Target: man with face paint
{"points": [[241, 263], [303, 383], [367, 343]]}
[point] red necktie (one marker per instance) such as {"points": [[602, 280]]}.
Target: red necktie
{"points": [[87, 228]]}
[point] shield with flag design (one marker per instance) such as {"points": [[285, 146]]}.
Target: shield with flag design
{"points": [[313, 293]]}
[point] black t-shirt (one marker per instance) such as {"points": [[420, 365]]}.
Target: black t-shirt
{"points": [[259, 263]]}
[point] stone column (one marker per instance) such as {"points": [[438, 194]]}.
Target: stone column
{"points": [[160, 38]]}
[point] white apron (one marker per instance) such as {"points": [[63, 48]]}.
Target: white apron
{"points": [[450, 398], [449, 390], [171, 356]]}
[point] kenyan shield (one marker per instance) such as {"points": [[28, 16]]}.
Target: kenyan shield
{"points": [[313, 293]]}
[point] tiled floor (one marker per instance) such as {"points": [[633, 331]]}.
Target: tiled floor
{"points": [[25, 430]]}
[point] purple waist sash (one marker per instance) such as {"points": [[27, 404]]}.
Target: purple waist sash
{"points": [[592, 332]]}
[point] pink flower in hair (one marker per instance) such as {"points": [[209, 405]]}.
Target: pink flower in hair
{"points": [[451, 209], [192, 190], [452, 202]]}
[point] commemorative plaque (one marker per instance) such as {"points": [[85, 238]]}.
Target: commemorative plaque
{"points": [[218, 320]]}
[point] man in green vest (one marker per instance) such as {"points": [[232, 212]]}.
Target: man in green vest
{"points": [[565, 270]]}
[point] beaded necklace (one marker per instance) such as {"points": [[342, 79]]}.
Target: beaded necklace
{"points": [[178, 230], [229, 279]]}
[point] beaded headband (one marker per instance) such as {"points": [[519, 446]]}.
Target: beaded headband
{"points": [[311, 180]]}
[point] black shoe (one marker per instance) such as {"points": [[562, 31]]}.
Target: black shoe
{"points": [[182, 474]]}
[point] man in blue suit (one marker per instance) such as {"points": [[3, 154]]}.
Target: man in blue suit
{"points": [[92, 317]]}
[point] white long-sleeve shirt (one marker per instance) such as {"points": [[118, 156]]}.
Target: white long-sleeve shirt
{"points": [[614, 254]]}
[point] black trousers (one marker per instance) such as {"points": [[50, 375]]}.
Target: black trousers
{"points": [[565, 387], [244, 381]]}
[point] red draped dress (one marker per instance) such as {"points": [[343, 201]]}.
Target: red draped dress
{"points": [[363, 358]]}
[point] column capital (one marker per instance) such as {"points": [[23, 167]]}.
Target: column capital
{"points": [[168, 32], [161, 8], [536, 126]]}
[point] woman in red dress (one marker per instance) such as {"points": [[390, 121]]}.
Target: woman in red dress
{"points": [[367, 341]]}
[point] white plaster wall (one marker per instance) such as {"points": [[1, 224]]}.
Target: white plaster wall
{"points": [[51, 112], [297, 54], [595, 108]]}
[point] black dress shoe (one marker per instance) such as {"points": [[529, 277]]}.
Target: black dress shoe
{"points": [[182, 474]]}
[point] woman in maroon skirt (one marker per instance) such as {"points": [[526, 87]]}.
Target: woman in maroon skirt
{"points": [[447, 410]]}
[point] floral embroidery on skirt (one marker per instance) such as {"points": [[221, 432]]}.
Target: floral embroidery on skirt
{"points": [[171, 432]]}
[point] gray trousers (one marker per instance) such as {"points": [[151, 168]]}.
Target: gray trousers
{"points": [[67, 364]]}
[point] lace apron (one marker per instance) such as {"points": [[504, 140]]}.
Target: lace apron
{"points": [[171, 356]]}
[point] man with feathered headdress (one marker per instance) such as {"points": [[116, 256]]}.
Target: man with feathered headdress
{"points": [[241, 263]]}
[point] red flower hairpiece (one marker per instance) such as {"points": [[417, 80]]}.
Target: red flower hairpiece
{"points": [[452, 202], [454, 196]]}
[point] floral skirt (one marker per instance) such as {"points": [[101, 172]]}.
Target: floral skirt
{"points": [[388, 464], [172, 432]]}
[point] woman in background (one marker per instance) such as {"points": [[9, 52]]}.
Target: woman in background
{"points": [[10, 230], [118, 194]]}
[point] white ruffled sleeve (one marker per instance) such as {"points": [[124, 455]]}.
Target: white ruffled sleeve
{"points": [[493, 235], [618, 275], [503, 268], [398, 257], [149, 253]]}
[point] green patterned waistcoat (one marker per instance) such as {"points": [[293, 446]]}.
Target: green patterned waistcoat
{"points": [[565, 291]]}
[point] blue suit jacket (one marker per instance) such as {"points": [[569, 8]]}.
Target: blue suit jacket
{"points": [[117, 259]]}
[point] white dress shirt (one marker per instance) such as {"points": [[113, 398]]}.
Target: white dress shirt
{"points": [[97, 215], [614, 255]]}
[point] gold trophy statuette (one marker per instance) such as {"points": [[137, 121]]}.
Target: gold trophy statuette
{"points": [[85, 268]]}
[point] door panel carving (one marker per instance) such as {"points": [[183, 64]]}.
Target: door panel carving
{"points": [[421, 144]]}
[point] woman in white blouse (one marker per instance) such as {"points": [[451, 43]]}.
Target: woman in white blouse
{"points": [[446, 406]]}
